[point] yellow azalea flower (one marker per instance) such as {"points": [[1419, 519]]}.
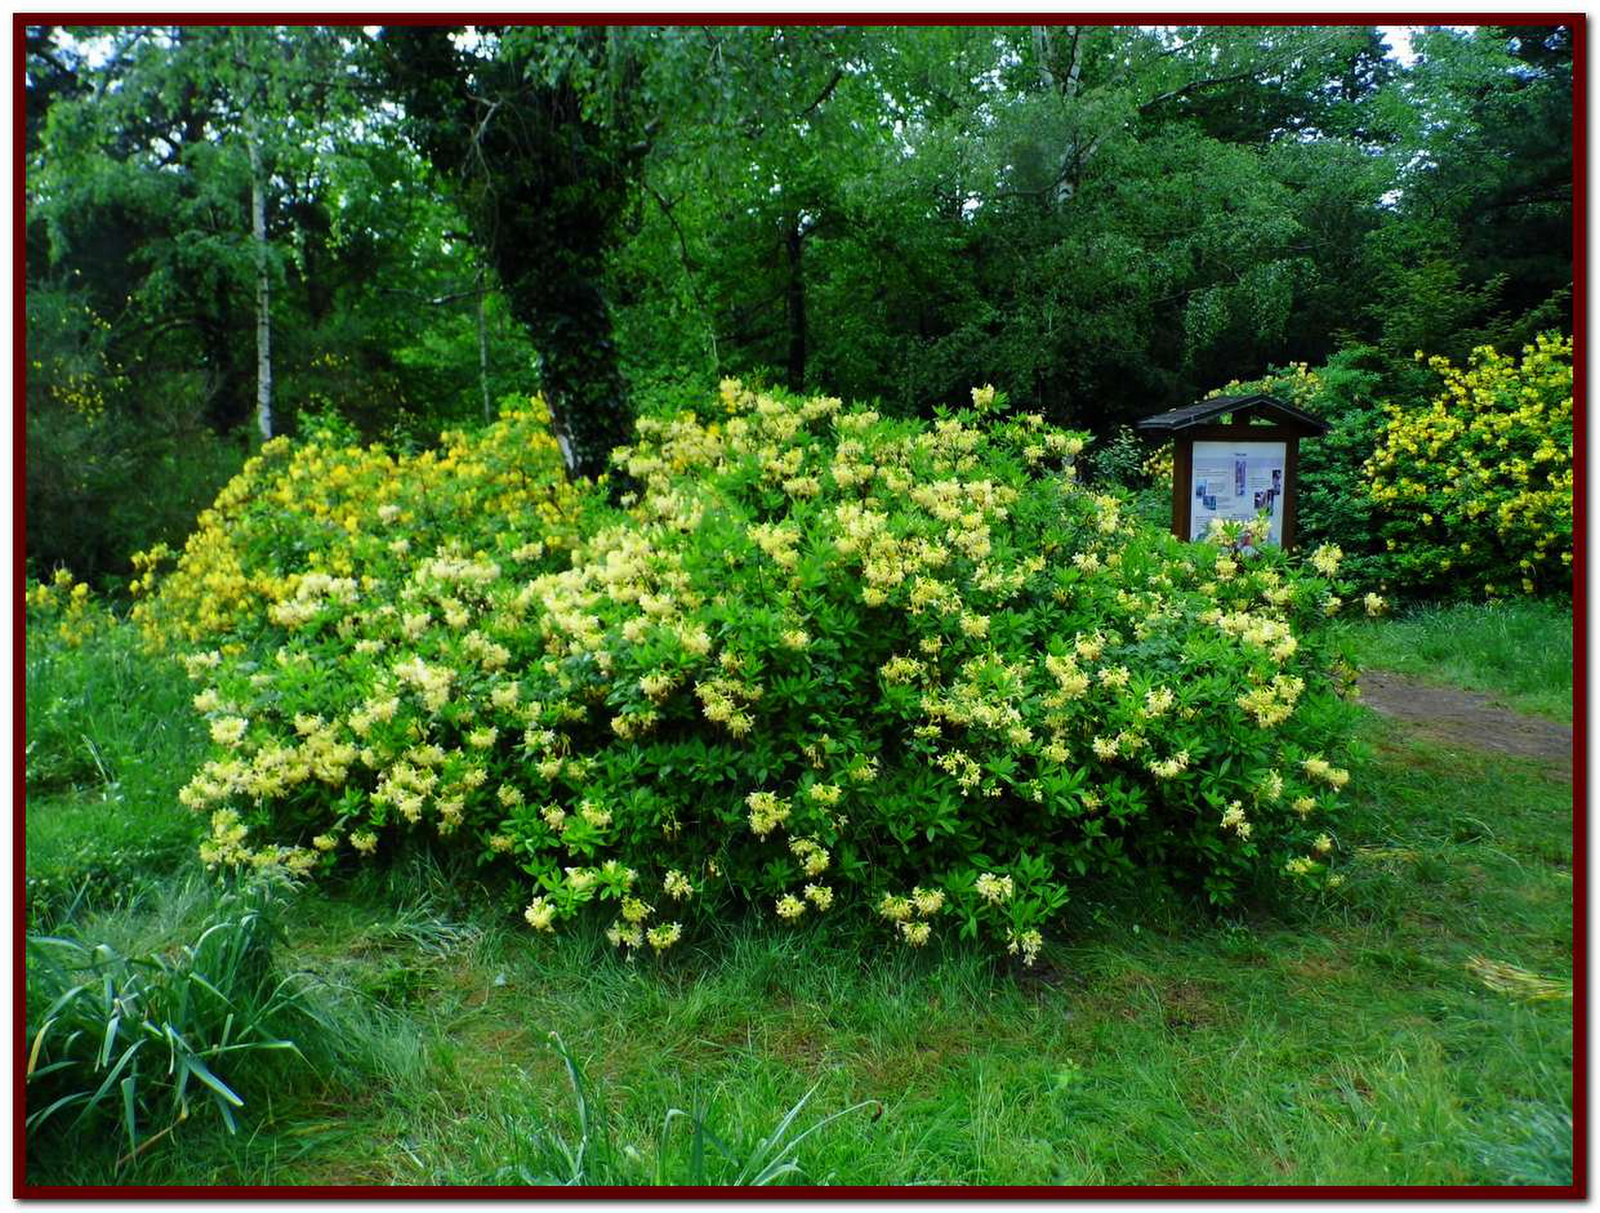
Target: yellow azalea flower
{"points": [[664, 936], [229, 731], [540, 914], [994, 889], [819, 896], [916, 933]]}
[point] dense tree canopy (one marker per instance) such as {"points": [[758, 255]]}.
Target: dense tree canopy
{"points": [[404, 225]]}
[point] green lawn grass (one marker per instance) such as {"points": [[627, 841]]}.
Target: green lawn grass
{"points": [[1519, 652], [1338, 1042], [111, 737]]}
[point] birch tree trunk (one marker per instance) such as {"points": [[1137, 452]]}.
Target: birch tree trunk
{"points": [[258, 230], [1046, 48]]}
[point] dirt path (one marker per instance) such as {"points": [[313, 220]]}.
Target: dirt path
{"points": [[1464, 718]]}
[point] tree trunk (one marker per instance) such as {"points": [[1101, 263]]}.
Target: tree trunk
{"points": [[578, 370], [258, 229], [1041, 52], [483, 354], [547, 190], [795, 240], [1047, 49]]}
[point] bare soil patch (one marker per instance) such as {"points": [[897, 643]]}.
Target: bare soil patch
{"points": [[1464, 718]]}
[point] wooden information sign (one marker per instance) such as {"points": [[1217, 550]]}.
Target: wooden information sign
{"points": [[1235, 457]]}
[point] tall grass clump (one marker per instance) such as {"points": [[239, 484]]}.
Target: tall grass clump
{"points": [[524, 1147], [136, 1042]]}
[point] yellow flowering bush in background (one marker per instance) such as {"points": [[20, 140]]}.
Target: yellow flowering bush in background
{"points": [[301, 515], [66, 607], [817, 661], [1475, 488]]}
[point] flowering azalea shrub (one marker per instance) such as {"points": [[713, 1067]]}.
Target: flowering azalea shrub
{"points": [[64, 606], [302, 521], [820, 662], [1476, 486]]}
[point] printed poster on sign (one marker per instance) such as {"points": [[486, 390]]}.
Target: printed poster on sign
{"points": [[1237, 481]]}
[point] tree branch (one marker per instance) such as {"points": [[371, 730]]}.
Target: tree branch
{"points": [[666, 209], [435, 300], [1194, 87], [827, 91]]}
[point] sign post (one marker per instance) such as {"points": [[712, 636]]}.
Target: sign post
{"points": [[1234, 458]]}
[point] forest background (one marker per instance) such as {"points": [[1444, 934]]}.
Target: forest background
{"points": [[233, 232]]}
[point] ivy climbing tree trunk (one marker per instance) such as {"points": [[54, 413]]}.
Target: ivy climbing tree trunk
{"points": [[546, 172]]}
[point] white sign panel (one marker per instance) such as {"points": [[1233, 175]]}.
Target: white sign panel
{"points": [[1237, 480]]}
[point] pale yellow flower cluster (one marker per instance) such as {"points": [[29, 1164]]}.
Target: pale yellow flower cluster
{"points": [[768, 811], [1026, 944], [1319, 768], [995, 889]]}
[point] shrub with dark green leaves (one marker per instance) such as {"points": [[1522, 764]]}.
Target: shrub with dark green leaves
{"points": [[824, 662]]}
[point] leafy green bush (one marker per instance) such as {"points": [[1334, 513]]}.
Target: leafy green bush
{"points": [[100, 488], [1125, 461], [825, 663], [1119, 460]]}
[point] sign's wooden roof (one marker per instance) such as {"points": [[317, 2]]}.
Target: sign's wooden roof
{"points": [[1209, 410]]}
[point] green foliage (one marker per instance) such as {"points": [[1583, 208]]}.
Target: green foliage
{"points": [[1482, 237], [803, 672], [132, 1042], [1120, 460], [1102, 218], [1127, 463], [103, 478], [100, 489]]}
